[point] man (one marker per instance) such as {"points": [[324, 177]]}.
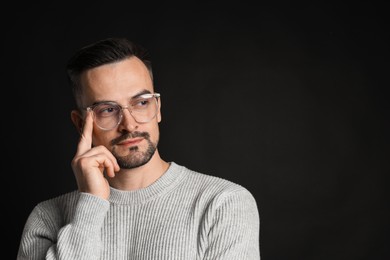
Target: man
{"points": [[130, 203]]}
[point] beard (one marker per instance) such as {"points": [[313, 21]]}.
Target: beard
{"points": [[136, 158]]}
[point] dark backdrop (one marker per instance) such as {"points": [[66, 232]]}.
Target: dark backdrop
{"points": [[290, 101]]}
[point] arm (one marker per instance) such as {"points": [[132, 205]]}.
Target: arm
{"points": [[44, 233], [44, 238], [234, 229]]}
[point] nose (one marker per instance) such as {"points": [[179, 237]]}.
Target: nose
{"points": [[128, 123]]}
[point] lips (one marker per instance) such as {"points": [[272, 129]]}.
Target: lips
{"points": [[130, 142]]}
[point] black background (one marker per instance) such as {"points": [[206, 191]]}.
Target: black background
{"points": [[288, 100]]}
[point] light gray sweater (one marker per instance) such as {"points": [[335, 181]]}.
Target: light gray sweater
{"points": [[183, 215]]}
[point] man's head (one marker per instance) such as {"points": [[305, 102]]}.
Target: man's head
{"points": [[112, 79], [103, 52]]}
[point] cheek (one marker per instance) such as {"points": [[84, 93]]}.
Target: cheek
{"points": [[154, 132], [99, 138]]}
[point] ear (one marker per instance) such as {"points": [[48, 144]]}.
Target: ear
{"points": [[77, 120]]}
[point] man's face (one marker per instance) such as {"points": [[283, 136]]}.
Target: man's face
{"points": [[132, 143]]}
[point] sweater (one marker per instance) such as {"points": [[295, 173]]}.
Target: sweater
{"points": [[183, 215]]}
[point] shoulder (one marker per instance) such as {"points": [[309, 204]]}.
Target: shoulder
{"points": [[215, 188], [206, 180], [216, 198], [59, 207], [48, 216]]}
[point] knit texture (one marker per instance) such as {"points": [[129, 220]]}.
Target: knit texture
{"points": [[183, 215]]}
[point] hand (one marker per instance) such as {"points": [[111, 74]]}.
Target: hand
{"points": [[90, 163]]}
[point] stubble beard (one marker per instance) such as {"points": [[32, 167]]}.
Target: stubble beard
{"points": [[135, 158]]}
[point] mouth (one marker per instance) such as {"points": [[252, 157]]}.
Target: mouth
{"points": [[130, 142]]}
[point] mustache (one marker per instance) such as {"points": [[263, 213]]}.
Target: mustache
{"points": [[135, 134]]}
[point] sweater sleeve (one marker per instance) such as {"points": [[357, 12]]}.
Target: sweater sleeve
{"points": [[233, 230], [44, 238]]}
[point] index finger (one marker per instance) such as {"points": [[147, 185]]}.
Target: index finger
{"points": [[85, 143]]}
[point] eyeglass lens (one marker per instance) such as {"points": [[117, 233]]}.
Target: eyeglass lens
{"points": [[108, 115]]}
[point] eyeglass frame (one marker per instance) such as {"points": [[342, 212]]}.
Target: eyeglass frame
{"points": [[152, 95]]}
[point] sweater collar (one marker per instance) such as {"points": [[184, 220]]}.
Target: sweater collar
{"points": [[162, 185]]}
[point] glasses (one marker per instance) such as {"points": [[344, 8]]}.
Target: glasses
{"points": [[108, 115]]}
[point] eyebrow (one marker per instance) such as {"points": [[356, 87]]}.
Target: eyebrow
{"points": [[140, 93]]}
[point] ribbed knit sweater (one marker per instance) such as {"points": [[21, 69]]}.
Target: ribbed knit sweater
{"points": [[183, 215]]}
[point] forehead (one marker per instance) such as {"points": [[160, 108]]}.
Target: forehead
{"points": [[115, 81]]}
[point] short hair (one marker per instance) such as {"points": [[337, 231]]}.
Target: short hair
{"points": [[102, 52]]}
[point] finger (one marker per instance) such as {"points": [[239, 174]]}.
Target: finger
{"points": [[105, 163], [114, 163], [110, 169], [103, 154], [85, 143]]}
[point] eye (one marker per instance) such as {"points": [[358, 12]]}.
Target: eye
{"points": [[140, 103], [106, 110]]}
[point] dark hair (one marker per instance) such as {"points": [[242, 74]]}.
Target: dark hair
{"points": [[102, 52]]}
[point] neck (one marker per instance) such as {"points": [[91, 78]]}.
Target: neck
{"points": [[140, 177]]}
